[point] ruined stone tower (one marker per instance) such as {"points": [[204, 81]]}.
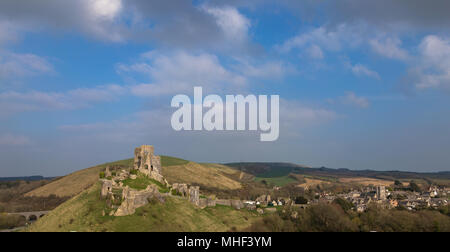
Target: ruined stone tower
{"points": [[381, 192], [147, 163]]}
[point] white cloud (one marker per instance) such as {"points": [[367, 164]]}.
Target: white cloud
{"points": [[100, 21], [328, 39], [234, 25], [180, 72], [343, 35], [14, 65], [433, 69], [315, 52], [14, 140], [105, 9], [15, 102], [8, 32], [154, 124], [184, 24], [95, 18], [263, 70], [149, 90], [164, 74], [175, 72], [295, 116], [352, 99], [389, 48], [361, 70]]}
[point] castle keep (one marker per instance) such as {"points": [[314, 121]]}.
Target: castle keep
{"points": [[147, 163]]}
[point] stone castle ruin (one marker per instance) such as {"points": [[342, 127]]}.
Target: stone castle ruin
{"points": [[123, 200]]}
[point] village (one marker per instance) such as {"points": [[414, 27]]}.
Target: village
{"points": [[434, 197], [361, 199]]}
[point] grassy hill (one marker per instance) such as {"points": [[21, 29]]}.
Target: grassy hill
{"points": [[277, 181], [84, 213], [74, 183], [175, 170], [206, 175]]}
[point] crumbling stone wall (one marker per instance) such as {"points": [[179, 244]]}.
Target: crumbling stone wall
{"points": [[207, 202], [133, 199], [194, 195], [107, 186], [181, 188], [223, 202], [237, 204], [108, 172]]}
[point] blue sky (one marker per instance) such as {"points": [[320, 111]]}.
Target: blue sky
{"points": [[363, 84]]}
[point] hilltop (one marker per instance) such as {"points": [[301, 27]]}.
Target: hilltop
{"points": [[86, 210], [175, 170]]}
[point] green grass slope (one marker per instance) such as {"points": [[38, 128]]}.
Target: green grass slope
{"points": [[204, 175], [75, 183], [83, 213], [277, 181]]}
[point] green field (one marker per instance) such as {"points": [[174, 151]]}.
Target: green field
{"points": [[142, 182], [277, 181], [278, 172]]}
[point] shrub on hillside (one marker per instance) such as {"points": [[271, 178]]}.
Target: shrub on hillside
{"points": [[384, 220], [11, 221], [344, 204], [175, 193], [301, 200], [326, 218]]}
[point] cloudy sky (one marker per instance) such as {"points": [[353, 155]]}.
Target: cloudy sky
{"points": [[363, 84]]}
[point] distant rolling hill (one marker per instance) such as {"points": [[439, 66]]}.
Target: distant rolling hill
{"points": [[266, 169], [278, 170], [30, 178]]}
